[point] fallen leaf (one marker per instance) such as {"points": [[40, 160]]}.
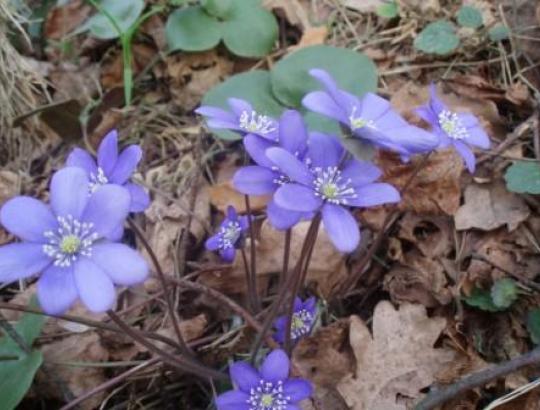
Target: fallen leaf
{"points": [[432, 235], [397, 361], [312, 37], [190, 329], [364, 6], [295, 11], [488, 207], [62, 20], [420, 6], [9, 185], [224, 194], [112, 68]]}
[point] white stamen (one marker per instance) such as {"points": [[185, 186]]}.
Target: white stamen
{"points": [[97, 180], [357, 122], [330, 186], [451, 124], [301, 324], [268, 396], [253, 122], [229, 235]]}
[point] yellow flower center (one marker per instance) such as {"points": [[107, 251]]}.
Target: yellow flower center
{"points": [[267, 400], [70, 244], [330, 190]]}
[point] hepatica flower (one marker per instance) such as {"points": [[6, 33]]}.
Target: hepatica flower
{"points": [[303, 318], [112, 168], [264, 178], [230, 235], [270, 388], [370, 118], [243, 119], [331, 186], [457, 129], [69, 243]]}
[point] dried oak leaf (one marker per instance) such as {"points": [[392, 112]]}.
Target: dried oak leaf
{"points": [[62, 20], [224, 194], [397, 361], [488, 207]]}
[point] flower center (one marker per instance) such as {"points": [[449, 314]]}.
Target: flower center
{"points": [[71, 240], [229, 234], [452, 125], [268, 396], [359, 122], [330, 186], [301, 323], [97, 180], [253, 122]]}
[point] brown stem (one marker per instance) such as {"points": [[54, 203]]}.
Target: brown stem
{"points": [[110, 383], [253, 260], [441, 396], [184, 364], [183, 346], [286, 257], [249, 283]]}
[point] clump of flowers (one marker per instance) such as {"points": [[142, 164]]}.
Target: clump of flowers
{"points": [[302, 321], [269, 388], [112, 168], [230, 235], [460, 130], [71, 243]]}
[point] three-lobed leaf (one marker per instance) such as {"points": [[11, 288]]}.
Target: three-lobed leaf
{"points": [[191, 29], [124, 12], [523, 177], [217, 8], [438, 37], [481, 299], [388, 10], [470, 17], [498, 33], [504, 292]]}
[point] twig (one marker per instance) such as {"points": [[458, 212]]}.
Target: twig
{"points": [[253, 254], [441, 396]]}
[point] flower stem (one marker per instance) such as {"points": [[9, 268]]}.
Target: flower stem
{"points": [[252, 283], [249, 283], [14, 335], [286, 257]]}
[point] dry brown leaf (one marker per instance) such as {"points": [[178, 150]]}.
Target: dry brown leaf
{"points": [[432, 235], [224, 194], [312, 37], [397, 361], [420, 6], [75, 82], [488, 207], [364, 6], [112, 70], [9, 185], [190, 329], [295, 11], [62, 20]]}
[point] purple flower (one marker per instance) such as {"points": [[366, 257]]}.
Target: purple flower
{"points": [[457, 129], [229, 236], [69, 243], [330, 185], [264, 178], [270, 388], [112, 168], [303, 318], [370, 118], [243, 119]]}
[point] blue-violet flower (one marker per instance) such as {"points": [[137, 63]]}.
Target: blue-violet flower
{"points": [[69, 243], [302, 322], [230, 235], [330, 185], [457, 129], [270, 388], [370, 118]]}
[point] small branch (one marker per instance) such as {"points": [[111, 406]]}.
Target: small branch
{"points": [[250, 290], [441, 396]]}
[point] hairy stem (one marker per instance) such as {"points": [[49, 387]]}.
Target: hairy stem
{"points": [[253, 270]]}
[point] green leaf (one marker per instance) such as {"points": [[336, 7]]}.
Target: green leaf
{"points": [[388, 10], [191, 29], [252, 86], [498, 33], [438, 37], [469, 16], [124, 12], [504, 292], [359, 149], [481, 299], [249, 30], [533, 325], [353, 72], [217, 8], [16, 375], [523, 177]]}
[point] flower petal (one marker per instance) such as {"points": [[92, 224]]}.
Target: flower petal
{"points": [[374, 194], [107, 209], [435, 102], [27, 218], [360, 172], [256, 148], [290, 165], [126, 164], [321, 103], [94, 286], [280, 218], [297, 389], [232, 400], [21, 260], [468, 156], [331, 87], [276, 366], [478, 137], [227, 255], [293, 134], [244, 376], [255, 180], [324, 150], [341, 227], [238, 106], [427, 115], [82, 159], [373, 107], [216, 113], [296, 197], [213, 243], [56, 290], [140, 200], [125, 266], [108, 152], [414, 139], [69, 192]]}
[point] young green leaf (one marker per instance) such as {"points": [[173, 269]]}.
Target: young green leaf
{"points": [[533, 325], [481, 299], [191, 29], [504, 292], [217, 8], [124, 13], [249, 30], [291, 81], [469, 16], [388, 10], [523, 177], [438, 37], [498, 33]]}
